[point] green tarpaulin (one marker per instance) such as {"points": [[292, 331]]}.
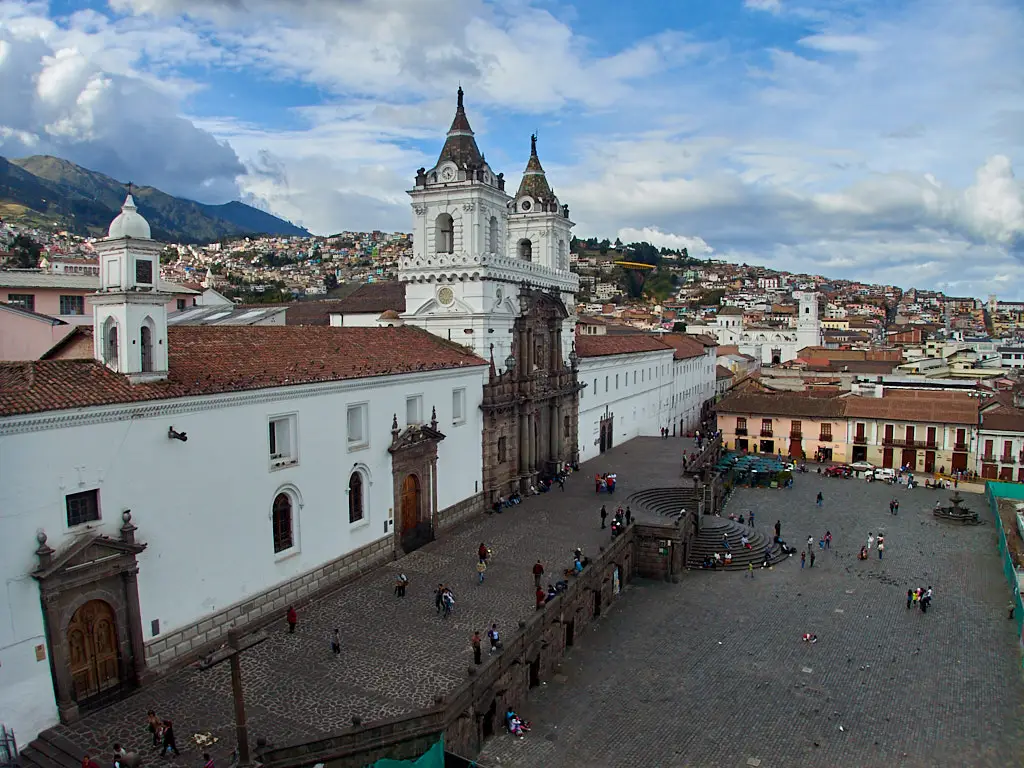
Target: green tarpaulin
{"points": [[432, 758]]}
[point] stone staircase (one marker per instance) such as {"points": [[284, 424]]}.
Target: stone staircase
{"points": [[665, 502], [709, 541], [51, 750]]}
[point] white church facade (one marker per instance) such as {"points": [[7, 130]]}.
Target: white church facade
{"points": [[770, 345], [187, 479]]}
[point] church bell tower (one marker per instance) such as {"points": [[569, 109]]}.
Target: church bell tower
{"points": [[129, 310]]}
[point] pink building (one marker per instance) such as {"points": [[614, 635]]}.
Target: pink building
{"points": [[26, 335], [65, 297]]}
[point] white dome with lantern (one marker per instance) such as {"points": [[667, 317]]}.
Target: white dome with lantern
{"points": [[129, 223]]}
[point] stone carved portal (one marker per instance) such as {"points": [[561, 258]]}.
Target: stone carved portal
{"points": [[90, 601], [414, 474], [531, 412]]}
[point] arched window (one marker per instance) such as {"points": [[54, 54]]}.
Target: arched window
{"points": [[110, 343], [563, 260], [525, 250], [492, 235], [282, 520], [355, 497], [146, 348], [444, 234]]}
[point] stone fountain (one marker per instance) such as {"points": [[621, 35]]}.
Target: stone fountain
{"points": [[956, 512]]}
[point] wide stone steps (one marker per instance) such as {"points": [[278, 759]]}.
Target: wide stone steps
{"points": [[51, 750], [666, 502], [709, 541]]}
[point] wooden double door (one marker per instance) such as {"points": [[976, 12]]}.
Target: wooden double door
{"points": [[605, 440], [93, 651]]}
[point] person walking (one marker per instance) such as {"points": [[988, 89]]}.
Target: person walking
{"points": [[483, 552], [538, 572], [447, 602], [293, 619], [812, 558], [604, 516], [910, 598], [336, 643], [810, 543], [892, 503], [629, 516], [475, 641], [155, 726], [778, 529], [820, 500], [439, 597], [881, 546], [492, 635], [481, 569], [751, 518], [896, 507], [871, 540], [803, 559], [400, 584], [169, 744], [750, 569]]}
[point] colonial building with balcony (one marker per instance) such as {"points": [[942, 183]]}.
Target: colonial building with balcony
{"points": [[792, 423], [1001, 443]]}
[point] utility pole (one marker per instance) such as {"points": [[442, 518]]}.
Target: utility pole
{"points": [[232, 652]]}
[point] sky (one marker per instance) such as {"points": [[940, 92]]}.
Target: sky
{"points": [[871, 140]]}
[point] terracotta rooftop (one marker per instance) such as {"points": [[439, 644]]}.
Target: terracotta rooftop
{"points": [[1003, 419], [373, 298], [625, 344], [781, 404], [207, 360], [935, 407], [686, 347], [721, 372]]}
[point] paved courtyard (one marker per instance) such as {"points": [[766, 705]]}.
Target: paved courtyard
{"points": [[712, 672], [397, 655]]}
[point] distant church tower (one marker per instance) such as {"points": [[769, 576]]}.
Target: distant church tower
{"points": [[808, 324], [465, 278], [129, 311]]}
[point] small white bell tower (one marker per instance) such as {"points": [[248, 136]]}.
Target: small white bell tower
{"points": [[129, 310]]}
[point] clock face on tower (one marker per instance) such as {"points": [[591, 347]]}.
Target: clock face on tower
{"points": [[446, 296], [448, 174]]}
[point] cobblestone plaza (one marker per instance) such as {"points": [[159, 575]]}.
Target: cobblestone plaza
{"points": [[712, 671]]}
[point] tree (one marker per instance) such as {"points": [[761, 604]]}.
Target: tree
{"points": [[25, 252], [678, 327], [330, 281], [618, 243]]}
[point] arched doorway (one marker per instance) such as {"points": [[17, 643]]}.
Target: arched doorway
{"points": [[410, 504], [93, 651]]}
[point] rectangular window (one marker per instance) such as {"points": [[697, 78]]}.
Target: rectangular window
{"points": [[23, 300], [501, 450], [144, 271], [826, 431], [283, 446], [181, 304], [414, 409], [605, 383], [357, 418], [72, 305], [83, 507], [595, 386], [616, 381], [458, 406]]}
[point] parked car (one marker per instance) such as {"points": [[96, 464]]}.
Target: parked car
{"points": [[838, 470], [882, 473], [862, 466]]}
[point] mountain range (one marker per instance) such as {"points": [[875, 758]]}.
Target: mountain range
{"points": [[51, 192]]}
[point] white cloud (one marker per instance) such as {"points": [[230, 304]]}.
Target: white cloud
{"points": [[840, 43], [993, 207], [770, 6], [695, 246]]}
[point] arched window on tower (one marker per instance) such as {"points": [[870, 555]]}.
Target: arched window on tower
{"points": [[110, 343], [525, 250], [444, 234], [282, 522], [492, 235], [355, 497], [563, 258], [146, 346]]}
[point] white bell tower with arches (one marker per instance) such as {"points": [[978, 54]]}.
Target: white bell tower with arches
{"points": [[808, 324], [129, 310], [463, 281]]}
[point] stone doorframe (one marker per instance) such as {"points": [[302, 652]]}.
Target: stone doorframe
{"points": [[94, 567], [414, 452]]}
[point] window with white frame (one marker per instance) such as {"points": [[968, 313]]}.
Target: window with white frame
{"points": [[414, 409], [283, 445], [459, 406], [357, 425]]}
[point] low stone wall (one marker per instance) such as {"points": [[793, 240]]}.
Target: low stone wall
{"points": [[475, 710], [661, 549], [188, 643], [463, 510]]}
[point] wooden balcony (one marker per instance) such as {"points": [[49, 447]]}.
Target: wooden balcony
{"points": [[896, 442], [741, 430], [795, 434], [960, 447], [1008, 459], [989, 457], [860, 439], [825, 437], [767, 433]]}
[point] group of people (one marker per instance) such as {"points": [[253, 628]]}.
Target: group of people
{"points": [[920, 597], [714, 560], [504, 502], [620, 521], [162, 732], [515, 724], [863, 554], [605, 483], [444, 600]]}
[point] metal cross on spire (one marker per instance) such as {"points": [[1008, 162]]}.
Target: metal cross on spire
{"points": [[129, 185]]}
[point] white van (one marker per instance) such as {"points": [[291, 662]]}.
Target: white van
{"points": [[882, 473]]}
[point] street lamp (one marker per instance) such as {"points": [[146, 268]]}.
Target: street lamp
{"points": [[510, 363], [573, 358]]}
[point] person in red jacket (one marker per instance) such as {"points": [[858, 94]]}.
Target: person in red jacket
{"points": [[293, 619], [542, 597]]}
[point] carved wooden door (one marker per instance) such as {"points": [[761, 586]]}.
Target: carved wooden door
{"points": [[92, 650], [410, 502]]}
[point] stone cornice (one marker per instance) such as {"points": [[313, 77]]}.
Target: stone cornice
{"points": [[79, 417]]}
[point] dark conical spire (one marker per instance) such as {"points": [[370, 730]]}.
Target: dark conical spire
{"points": [[535, 183], [460, 146]]}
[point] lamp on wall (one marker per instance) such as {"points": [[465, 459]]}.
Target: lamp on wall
{"points": [[172, 434], [510, 362], [573, 358]]}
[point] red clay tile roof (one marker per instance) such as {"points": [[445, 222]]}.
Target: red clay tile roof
{"points": [[686, 347], [916, 405], [1003, 419], [207, 360], [374, 297], [795, 404], [721, 372], [624, 344]]}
